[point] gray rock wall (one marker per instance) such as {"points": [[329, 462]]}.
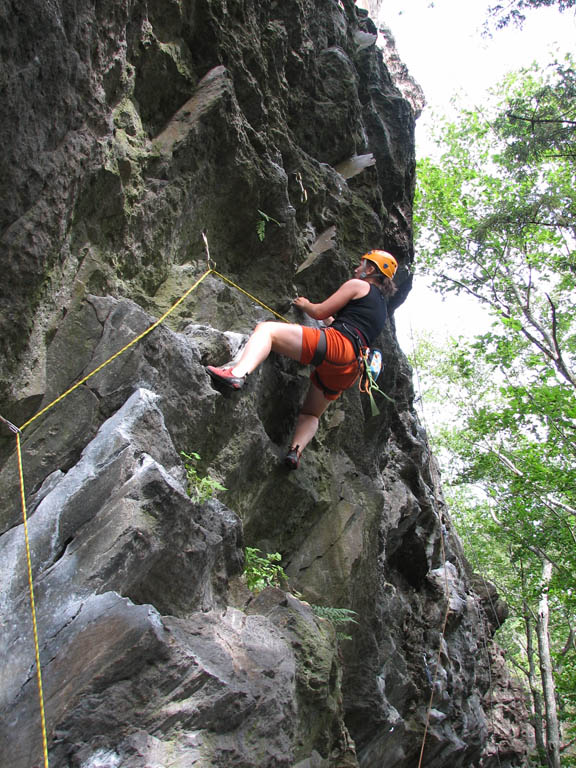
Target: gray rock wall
{"points": [[130, 130]]}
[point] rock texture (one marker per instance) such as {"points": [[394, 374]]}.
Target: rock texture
{"points": [[132, 131]]}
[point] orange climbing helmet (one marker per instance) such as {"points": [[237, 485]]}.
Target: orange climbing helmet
{"points": [[385, 262]]}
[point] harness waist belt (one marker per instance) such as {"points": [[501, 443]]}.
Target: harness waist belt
{"points": [[355, 336], [352, 334]]}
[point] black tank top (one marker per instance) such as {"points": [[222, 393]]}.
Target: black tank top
{"points": [[367, 315]]}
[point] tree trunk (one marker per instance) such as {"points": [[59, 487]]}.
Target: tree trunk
{"points": [[548, 685], [538, 717]]}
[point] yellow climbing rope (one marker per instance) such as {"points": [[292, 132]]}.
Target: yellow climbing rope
{"points": [[145, 333], [120, 351], [18, 431], [32, 603], [226, 280]]}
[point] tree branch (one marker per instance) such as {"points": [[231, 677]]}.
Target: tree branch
{"points": [[556, 343], [547, 120], [569, 642]]}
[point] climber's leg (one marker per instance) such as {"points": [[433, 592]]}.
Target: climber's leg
{"points": [[284, 338], [312, 408]]}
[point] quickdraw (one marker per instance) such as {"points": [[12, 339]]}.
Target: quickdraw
{"points": [[370, 366]]}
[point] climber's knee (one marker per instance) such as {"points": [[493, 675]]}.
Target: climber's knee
{"points": [[264, 327], [286, 339], [314, 403], [304, 412]]}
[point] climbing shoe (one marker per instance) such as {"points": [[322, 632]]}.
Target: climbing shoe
{"points": [[292, 458], [225, 376]]}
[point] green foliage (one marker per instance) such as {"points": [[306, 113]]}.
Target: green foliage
{"points": [[502, 232], [538, 121], [338, 617], [261, 224], [507, 457], [199, 488], [497, 222], [262, 570]]}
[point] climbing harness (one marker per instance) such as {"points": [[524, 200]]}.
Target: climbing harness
{"points": [[320, 352], [370, 362]]}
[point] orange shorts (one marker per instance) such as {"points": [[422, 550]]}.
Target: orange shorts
{"points": [[340, 367]]}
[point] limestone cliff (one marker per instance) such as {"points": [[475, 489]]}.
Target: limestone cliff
{"points": [[131, 131]]}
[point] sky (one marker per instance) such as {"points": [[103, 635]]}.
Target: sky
{"points": [[445, 52]]}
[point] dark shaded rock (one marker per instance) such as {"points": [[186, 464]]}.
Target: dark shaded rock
{"points": [[511, 737], [496, 609], [53, 444]]}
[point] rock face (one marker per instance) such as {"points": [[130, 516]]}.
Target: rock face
{"points": [[134, 134]]}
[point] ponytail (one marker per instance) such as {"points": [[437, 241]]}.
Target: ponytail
{"points": [[385, 285]]}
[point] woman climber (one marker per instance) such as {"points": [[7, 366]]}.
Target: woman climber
{"points": [[355, 314]]}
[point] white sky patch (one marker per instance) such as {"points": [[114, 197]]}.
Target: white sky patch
{"points": [[445, 52]]}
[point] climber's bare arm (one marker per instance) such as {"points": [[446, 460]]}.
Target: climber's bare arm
{"points": [[351, 289]]}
